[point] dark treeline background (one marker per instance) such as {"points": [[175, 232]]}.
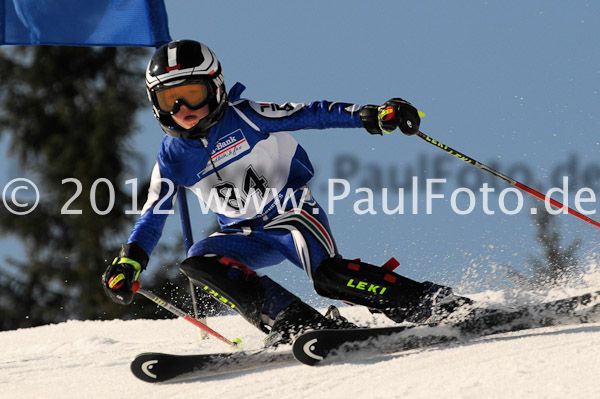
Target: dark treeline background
{"points": [[70, 113]]}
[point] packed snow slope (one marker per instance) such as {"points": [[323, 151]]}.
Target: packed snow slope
{"points": [[90, 359]]}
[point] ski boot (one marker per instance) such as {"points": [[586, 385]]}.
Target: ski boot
{"points": [[300, 317], [434, 307]]}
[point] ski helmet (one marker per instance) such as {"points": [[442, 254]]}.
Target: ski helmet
{"points": [[185, 72]]}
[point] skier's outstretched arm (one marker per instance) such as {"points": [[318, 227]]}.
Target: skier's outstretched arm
{"points": [[270, 117]]}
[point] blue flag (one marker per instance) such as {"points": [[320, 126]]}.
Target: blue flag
{"points": [[84, 22]]}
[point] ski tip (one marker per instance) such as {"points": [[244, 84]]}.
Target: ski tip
{"points": [[143, 367], [155, 367], [308, 349]]}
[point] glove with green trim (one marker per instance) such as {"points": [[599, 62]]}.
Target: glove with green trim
{"points": [[120, 280], [395, 113]]}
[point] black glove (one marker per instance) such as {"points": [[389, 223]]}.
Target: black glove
{"points": [[394, 113], [120, 278]]}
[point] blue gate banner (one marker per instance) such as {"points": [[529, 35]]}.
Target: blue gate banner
{"points": [[84, 22]]}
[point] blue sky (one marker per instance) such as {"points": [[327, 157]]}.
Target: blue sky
{"points": [[513, 84]]}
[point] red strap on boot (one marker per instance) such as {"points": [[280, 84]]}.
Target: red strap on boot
{"points": [[230, 262], [391, 264]]}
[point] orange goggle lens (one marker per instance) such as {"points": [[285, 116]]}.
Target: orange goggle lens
{"points": [[193, 94]]}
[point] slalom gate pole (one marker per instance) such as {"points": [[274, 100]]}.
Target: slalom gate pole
{"points": [[507, 179], [186, 226], [180, 313]]}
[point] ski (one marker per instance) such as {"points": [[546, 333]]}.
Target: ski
{"points": [[162, 367], [334, 345], [329, 346]]}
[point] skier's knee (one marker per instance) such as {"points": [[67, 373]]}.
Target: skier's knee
{"points": [[209, 268]]}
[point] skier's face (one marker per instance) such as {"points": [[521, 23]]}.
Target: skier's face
{"points": [[188, 118]]}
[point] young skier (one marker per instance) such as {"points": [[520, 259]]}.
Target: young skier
{"points": [[235, 155]]}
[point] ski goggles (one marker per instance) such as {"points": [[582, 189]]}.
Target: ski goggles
{"points": [[193, 95]]}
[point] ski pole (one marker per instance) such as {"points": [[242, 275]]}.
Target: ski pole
{"points": [[180, 313], [188, 240], [507, 179]]}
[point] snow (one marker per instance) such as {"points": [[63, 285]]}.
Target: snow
{"points": [[78, 359]]}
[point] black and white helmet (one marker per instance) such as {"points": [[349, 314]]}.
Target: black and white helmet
{"points": [[185, 72]]}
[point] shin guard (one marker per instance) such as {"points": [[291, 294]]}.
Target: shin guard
{"points": [[256, 298], [229, 283], [365, 284]]}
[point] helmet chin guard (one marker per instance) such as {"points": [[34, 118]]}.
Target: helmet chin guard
{"points": [[178, 63]]}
